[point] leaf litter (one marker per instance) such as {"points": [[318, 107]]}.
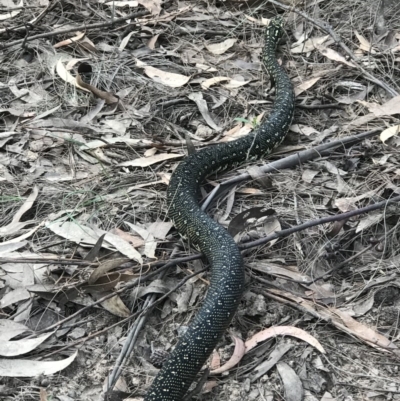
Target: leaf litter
{"points": [[86, 155]]}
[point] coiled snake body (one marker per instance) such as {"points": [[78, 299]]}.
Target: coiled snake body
{"points": [[227, 272]]}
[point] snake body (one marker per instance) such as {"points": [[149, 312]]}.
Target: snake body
{"points": [[227, 270]]}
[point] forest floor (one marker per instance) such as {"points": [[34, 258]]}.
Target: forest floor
{"points": [[100, 100]]}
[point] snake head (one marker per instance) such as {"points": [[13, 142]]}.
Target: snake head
{"points": [[275, 28]]}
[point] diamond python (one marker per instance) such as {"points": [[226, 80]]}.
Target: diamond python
{"points": [[227, 270]]}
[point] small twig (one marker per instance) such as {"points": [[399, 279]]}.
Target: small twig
{"points": [[328, 29]]}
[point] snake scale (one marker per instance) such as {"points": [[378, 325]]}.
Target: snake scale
{"points": [[227, 270]]}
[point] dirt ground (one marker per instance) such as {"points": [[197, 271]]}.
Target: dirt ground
{"points": [[99, 101]]}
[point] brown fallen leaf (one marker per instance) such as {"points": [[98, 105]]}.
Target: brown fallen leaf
{"points": [[113, 305], [333, 55], [283, 331], [32, 368], [105, 267], [363, 332], [237, 355]]}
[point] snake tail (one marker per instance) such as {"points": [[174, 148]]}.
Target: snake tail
{"points": [[227, 270]]}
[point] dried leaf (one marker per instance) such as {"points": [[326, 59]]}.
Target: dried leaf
{"points": [[165, 78], [125, 41], [305, 85], [154, 6], [197, 97], [389, 133], [272, 332], [31, 368], [150, 244], [213, 81], [308, 45], [294, 390], [148, 161], [365, 45], [14, 296], [20, 347], [113, 305], [334, 55], [12, 14], [387, 109], [236, 357], [222, 47]]}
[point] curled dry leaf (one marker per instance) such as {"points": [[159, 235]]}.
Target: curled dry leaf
{"points": [[389, 108], [237, 355], [170, 79], [283, 331], [389, 132], [15, 224], [125, 41], [222, 47], [233, 84], [109, 281]]}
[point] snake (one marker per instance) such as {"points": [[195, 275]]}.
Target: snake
{"points": [[227, 279]]}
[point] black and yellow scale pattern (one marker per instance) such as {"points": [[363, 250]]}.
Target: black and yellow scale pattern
{"points": [[227, 271]]}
